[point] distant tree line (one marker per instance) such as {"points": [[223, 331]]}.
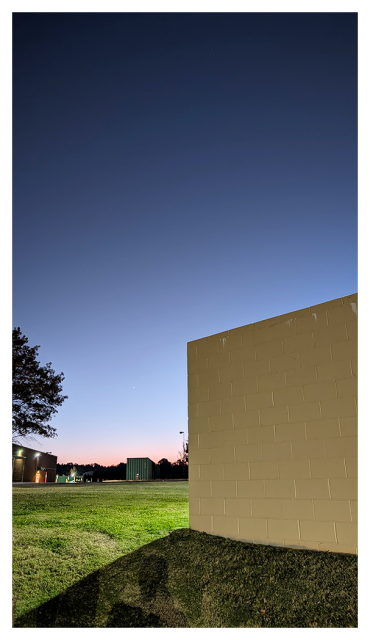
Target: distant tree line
{"points": [[94, 470], [178, 469], [167, 470], [172, 470]]}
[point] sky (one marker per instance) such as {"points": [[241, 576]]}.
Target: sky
{"points": [[174, 176]]}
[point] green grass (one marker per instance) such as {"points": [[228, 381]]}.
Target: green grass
{"points": [[63, 533], [111, 575]]}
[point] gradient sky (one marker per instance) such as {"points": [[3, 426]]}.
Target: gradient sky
{"points": [[174, 176]]}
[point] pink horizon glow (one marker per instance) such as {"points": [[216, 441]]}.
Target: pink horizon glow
{"points": [[114, 459]]}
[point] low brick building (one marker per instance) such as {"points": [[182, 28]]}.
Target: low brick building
{"points": [[33, 465]]}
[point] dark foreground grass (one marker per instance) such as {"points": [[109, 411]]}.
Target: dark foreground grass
{"points": [[64, 533], [193, 579]]}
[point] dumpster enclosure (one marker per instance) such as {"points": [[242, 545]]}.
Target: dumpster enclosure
{"points": [[273, 430]]}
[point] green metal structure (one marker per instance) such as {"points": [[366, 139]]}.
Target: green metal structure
{"points": [[60, 479], [142, 467]]}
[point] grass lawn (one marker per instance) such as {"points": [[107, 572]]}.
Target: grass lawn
{"points": [[100, 556], [63, 533]]}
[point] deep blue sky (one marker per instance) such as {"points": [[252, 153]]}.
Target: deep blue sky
{"points": [[174, 176]]}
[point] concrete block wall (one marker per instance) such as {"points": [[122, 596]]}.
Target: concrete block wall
{"points": [[273, 430]]}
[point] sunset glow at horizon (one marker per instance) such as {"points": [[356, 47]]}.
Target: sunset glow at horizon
{"points": [[105, 461]]}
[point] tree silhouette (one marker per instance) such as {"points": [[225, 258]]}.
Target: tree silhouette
{"points": [[37, 391]]}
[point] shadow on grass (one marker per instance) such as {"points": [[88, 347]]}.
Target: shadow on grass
{"points": [[130, 592], [193, 579]]}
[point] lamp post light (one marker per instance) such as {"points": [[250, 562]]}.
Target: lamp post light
{"points": [[37, 464]]}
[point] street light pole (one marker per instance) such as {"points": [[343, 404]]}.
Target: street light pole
{"points": [[183, 451]]}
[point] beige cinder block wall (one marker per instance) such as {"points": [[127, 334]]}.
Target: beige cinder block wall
{"points": [[273, 430]]}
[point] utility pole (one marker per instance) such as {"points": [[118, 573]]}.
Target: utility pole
{"points": [[183, 450]]}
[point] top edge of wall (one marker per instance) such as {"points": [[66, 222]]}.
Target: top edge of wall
{"points": [[273, 320]]}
